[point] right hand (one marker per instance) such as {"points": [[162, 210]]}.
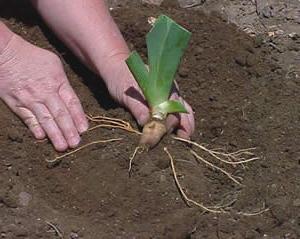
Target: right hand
{"points": [[124, 89], [34, 85]]}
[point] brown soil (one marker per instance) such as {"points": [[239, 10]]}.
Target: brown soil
{"points": [[241, 98]]}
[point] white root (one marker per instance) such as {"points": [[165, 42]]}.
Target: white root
{"points": [[82, 147], [234, 158], [187, 200], [137, 150], [199, 158]]}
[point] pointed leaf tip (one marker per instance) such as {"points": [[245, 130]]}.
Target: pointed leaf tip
{"points": [[166, 43]]}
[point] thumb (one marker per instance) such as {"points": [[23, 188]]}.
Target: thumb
{"points": [[137, 107]]}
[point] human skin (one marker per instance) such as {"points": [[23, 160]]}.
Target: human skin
{"points": [[39, 92]]}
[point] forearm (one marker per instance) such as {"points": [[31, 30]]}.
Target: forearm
{"points": [[88, 29], [5, 37]]}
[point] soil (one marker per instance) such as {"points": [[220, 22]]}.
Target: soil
{"points": [[243, 96]]}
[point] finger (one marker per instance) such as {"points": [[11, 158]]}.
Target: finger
{"points": [[139, 111], [32, 123], [187, 123], [27, 117], [63, 119], [47, 122], [74, 106], [172, 122], [182, 134], [134, 101], [191, 118]]}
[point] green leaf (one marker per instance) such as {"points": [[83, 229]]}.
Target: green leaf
{"points": [[140, 72], [170, 106], [166, 43]]}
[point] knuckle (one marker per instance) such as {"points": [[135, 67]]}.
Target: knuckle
{"points": [[82, 120], [30, 121], [59, 76], [60, 114], [74, 102], [20, 94], [52, 57], [49, 84], [45, 119]]}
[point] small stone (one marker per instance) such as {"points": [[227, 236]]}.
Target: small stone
{"points": [[9, 201], [279, 32], [265, 9], [9, 228], [146, 169], [162, 178], [190, 3], [194, 89], [199, 50], [162, 163], [153, 2], [14, 136], [21, 232], [251, 60], [290, 16], [293, 36], [240, 60], [259, 41], [74, 235], [295, 48], [170, 4], [183, 72], [24, 199], [251, 234], [296, 203]]}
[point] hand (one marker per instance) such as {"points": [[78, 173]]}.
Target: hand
{"points": [[127, 92], [182, 123], [33, 84]]}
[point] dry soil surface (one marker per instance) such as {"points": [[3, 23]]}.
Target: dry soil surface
{"points": [[243, 97]]}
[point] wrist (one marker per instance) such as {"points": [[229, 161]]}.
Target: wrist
{"points": [[116, 75], [113, 66], [5, 37]]}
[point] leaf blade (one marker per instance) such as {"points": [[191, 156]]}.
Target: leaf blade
{"points": [[140, 73], [166, 43], [171, 106]]}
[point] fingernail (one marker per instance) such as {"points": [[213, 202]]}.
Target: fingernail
{"points": [[61, 146], [170, 131], [74, 141], [183, 134], [142, 119], [39, 134], [83, 127]]}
